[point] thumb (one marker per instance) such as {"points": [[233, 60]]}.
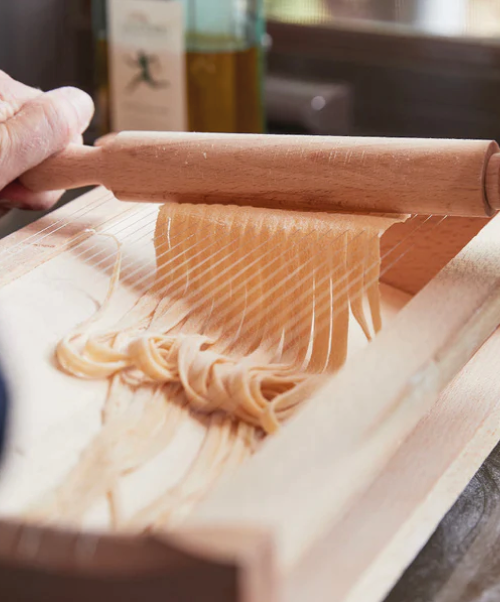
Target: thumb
{"points": [[42, 127]]}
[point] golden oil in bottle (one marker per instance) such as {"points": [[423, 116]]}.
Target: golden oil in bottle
{"points": [[224, 67], [224, 90]]}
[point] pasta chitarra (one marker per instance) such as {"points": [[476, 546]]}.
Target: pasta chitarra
{"points": [[249, 310]]}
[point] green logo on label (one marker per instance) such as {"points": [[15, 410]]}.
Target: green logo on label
{"points": [[144, 63]]}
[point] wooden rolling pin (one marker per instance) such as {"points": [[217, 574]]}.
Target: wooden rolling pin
{"points": [[442, 177]]}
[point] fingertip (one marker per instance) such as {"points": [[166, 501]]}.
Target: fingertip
{"points": [[79, 104], [43, 126]]}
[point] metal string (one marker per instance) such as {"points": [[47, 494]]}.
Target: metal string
{"points": [[241, 260], [283, 267], [202, 301], [324, 297], [37, 236], [292, 243]]}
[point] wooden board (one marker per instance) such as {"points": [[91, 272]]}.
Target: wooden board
{"points": [[427, 244], [44, 296], [383, 531], [460, 561], [337, 560]]}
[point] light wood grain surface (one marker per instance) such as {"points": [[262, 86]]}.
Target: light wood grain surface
{"points": [[355, 433]]}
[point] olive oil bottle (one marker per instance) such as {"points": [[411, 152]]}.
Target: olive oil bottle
{"points": [[179, 65]]}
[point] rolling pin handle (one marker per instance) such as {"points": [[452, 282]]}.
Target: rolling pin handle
{"points": [[492, 184], [74, 167]]}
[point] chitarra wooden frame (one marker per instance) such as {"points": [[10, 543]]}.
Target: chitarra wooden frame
{"points": [[336, 505]]}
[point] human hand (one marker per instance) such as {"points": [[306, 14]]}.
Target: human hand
{"points": [[33, 126]]}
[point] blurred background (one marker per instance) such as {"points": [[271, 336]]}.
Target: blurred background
{"points": [[417, 68], [423, 68], [383, 67]]}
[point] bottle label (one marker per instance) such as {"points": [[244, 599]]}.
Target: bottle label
{"points": [[147, 65]]}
